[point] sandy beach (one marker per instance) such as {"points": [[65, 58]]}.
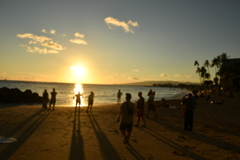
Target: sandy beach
{"points": [[68, 134]]}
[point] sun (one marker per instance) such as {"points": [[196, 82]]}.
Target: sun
{"points": [[78, 71]]}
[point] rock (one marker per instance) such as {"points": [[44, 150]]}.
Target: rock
{"points": [[16, 96]]}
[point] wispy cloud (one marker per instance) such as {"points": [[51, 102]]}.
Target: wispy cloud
{"points": [[79, 35], [52, 45], [41, 50], [120, 75], [177, 75], [135, 70], [42, 44], [52, 31], [35, 37], [44, 31], [189, 76], [78, 41], [125, 25], [163, 75]]}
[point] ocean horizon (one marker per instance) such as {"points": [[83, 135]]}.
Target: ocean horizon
{"points": [[103, 93]]}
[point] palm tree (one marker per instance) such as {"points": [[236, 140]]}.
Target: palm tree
{"points": [[196, 63], [216, 64], [207, 64], [203, 72], [198, 71]]}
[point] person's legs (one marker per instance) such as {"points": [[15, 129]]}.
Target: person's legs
{"points": [[186, 120], [50, 105], [54, 105], [190, 120], [144, 123]]}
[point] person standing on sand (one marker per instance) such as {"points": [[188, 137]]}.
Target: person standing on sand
{"points": [[126, 111], [78, 99], [53, 99], [119, 94], [90, 101], [150, 105], [140, 110], [149, 93], [45, 99], [190, 103]]}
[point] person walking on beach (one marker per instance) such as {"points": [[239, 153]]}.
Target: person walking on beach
{"points": [[126, 113], [53, 99], [78, 99], [190, 103], [45, 99], [90, 101], [140, 110], [119, 94], [150, 105]]}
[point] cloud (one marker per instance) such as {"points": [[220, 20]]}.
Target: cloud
{"points": [[52, 45], [41, 50], [120, 75], [78, 41], [135, 70], [126, 26], [44, 31], [32, 42], [35, 37], [41, 42], [79, 35], [189, 76], [163, 75], [52, 31], [177, 75]]}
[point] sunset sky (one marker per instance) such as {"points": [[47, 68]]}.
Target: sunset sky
{"points": [[114, 41]]}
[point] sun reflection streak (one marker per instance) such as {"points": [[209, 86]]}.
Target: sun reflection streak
{"points": [[78, 88]]}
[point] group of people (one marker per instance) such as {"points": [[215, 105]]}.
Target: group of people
{"points": [[127, 110], [45, 99], [90, 100]]}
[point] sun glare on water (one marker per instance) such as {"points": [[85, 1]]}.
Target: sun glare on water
{"points": [[78, 88]]}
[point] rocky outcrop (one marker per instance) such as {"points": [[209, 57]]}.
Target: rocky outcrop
{"points": [[16, 96]]}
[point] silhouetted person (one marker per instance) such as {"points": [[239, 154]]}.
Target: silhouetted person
{"points": [[78, 99], [151, 107], [90, 101], [149, 93], [163, 103], [119, 94], [45, 99], [190, 103], [126, 111], [53, 99], [140, 110]]}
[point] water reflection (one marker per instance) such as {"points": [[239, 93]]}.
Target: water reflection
{"points": [[78, 88]]}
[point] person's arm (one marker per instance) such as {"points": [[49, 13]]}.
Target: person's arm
{"points": [[119, 116]]}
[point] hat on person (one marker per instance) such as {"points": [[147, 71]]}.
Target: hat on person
{"points": [[128, 95]]}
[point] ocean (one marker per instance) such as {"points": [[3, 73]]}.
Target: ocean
{"points": [[103, 94]]}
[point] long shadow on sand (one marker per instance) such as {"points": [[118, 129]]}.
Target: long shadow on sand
{"points": [[10, 149], [138, 156], [181, 151], [108, 151], [200, 137], [76, 151]]}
